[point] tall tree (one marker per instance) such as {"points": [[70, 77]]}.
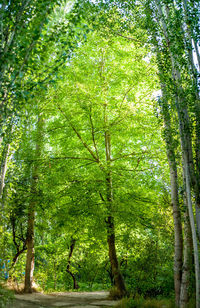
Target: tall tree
{"points": [[30, 256], [93, 109], [168, 17]]}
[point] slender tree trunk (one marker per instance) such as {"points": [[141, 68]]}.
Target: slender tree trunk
{"points": [[197, 52], [178, 237], [72, 246], [189, 37], [17, 244], [181, 274], [16, 257], [188, 166], [187, 263], [188, 17], [4, 159], [178, 240], [194, 235], [186, 144], [30, 256], [169, 140], [55, 275]]}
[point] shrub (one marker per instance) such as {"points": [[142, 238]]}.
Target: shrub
{"points": [[6, 296]]}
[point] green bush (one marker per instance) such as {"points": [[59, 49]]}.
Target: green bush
{"points": [[140, 302], [6, 296]]}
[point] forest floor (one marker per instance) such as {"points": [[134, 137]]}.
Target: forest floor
{"points": [[63, 299]]}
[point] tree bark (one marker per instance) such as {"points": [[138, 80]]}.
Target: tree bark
{"points": [[118, 278], [188, 165], [171, 156], [72, 246], [189, 37], [187, 263], [4, 159], [16, 256], [22, 242], [186, 144], [30, 256], [178, 237], [194, 235]]}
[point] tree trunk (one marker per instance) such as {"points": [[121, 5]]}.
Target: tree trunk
{"points": [[72, 246], [16, 256], [187, 263], [118, 278], [188, 166], [17, 244], [30, 256], [186, 143], [4, 159], [194, 235], [4, 167], [178, 236], [189, 37]]}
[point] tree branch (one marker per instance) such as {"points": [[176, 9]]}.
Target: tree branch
{"points": [[78, 135], [93, 133]]}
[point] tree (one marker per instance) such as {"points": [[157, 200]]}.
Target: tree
{"points": [[173, 44], [32, 208], [93, 121]]}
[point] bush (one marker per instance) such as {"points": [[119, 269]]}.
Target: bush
{"points": [[140, 302], [115, 294], [6, 296]]}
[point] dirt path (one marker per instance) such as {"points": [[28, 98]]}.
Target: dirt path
{"points": [[64, 300]]}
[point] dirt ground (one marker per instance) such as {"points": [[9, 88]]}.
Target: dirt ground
{"points": [[65, 300]]}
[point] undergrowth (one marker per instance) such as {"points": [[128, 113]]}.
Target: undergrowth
{"points": [[6, 296], [140, 302]]}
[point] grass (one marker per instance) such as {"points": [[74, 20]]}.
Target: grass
{"points": [[145, 303], [140, 302]]}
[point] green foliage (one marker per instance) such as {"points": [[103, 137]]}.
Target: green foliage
{"points": [[77, 75], [149, 259], [146, 303], [73, 185], [114, 294], [6, 297], [140, 302]]}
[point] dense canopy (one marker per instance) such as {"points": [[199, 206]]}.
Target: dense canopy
{"points": [[100, 149]]}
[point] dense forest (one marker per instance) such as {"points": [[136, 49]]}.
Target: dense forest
{"points": [[100, 149]]}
